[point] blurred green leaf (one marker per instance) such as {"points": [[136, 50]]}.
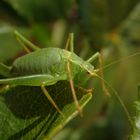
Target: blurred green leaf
{"points": [[93, 19], [41, 35], [130, 28], [100, 17], [25, 112], [9, 47], [136, 133], [41, 9], [119, 10]]}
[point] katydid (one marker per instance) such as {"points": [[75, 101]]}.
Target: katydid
{"points": [[44, 67]]}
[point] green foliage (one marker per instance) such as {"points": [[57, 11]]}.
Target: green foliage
{"points": [[41, 9], [112, 27], [25, 112], [136, 125], [136, 133], [130, 29], [7, 41], [99, 17]]}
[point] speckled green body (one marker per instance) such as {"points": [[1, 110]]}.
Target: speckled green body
{"points": [[47, 65], [45, 61]]}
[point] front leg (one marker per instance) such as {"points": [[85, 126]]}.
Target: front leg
{"points": [[90, 60]]}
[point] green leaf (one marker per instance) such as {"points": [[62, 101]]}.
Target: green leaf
{"points": [[40, 9], [100, 17], [9, 47], [130, 28], [136, 126], [25, 112]]}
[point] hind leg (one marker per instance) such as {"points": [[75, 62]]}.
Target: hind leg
{"points": [[44, 90]]}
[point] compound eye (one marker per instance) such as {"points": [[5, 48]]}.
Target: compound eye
{"points": [[88, 72]]}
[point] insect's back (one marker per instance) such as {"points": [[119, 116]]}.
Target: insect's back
{"points": [[45, 61]]}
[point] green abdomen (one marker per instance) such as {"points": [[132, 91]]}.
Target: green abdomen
{"points": [[44, 61]]}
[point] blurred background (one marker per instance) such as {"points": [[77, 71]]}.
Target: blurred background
{"points": [[110, 27]]}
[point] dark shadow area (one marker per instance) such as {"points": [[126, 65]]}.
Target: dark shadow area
{"points": [[10, 15], [28, 103]]}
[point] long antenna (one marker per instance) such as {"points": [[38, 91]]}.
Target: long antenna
{"points": [[119, 60], [118, 97]]}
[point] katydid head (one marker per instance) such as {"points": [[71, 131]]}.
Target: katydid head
{"points": [[91, 72], [84, 73], [88, 67]]}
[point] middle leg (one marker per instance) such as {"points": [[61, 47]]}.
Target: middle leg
{"points": [[73, 90]]}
